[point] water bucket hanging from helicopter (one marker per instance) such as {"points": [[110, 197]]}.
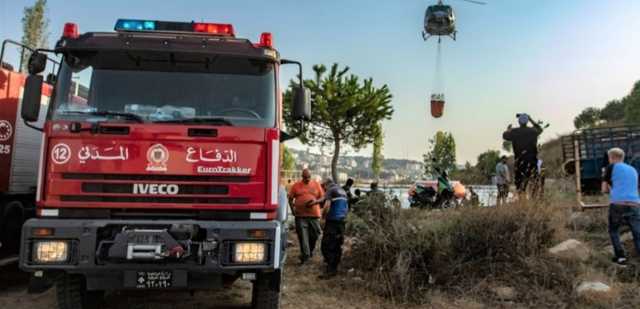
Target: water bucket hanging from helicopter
{"points": [[437, 105]]}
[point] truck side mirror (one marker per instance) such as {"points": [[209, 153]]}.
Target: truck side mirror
{"points": [[31, 98], [37, 63], [301, 95], [301, 104]]}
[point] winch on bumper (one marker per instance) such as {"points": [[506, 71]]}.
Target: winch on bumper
{"points": [[123, 254]]}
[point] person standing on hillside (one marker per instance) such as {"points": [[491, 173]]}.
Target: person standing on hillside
{"points": [[621, 182], [347, 189], [524, 140], [307, 213], [503, 178], [334, 226]]}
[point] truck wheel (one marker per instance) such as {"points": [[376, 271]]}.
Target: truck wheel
{"points": [[72, 293], [266, 291]]}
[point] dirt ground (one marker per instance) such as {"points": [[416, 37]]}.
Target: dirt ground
{"points": [[302, 289]]}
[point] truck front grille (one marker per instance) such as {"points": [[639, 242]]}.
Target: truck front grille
{"points": [[127, 188], [154, 199]]}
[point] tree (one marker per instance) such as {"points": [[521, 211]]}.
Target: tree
{"points": [[35, 26], [487, 162], [588, 118], [632, 104], [441, 155], [377, 158], [613, 112], [467, 175], [345, 109], [288, 162]]}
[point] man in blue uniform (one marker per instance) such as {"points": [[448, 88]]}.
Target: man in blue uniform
{"points": [[333, 233], [621, 181]]}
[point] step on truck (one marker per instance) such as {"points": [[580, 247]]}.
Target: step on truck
{"points": [[19, 146], [160, 162]]}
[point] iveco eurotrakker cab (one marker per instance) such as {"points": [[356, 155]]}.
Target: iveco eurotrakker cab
{"points": [[160, 162]]}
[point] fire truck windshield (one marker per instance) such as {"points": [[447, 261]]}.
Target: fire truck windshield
{"points": [[166, 88]]}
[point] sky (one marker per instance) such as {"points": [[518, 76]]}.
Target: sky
{"points": [[548, 58]]}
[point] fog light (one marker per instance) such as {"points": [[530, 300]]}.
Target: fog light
{"points": [[249, 252], [51, 251]]}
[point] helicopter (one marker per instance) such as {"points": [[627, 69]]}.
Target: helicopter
{"points": [[440, 20]]}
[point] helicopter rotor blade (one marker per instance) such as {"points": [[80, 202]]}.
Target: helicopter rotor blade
{"points": [[476, 2]]}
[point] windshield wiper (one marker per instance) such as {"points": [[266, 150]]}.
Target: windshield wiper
{"points": [[199, 120], [128, 116]]}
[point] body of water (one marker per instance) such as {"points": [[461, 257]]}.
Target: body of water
{"points": [[486, 193]]}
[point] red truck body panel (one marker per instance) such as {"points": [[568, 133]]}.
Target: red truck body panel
{"points": [[11, 86], [142, 169]]}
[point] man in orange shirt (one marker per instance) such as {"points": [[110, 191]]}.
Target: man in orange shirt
{"points": [[302, 195]]}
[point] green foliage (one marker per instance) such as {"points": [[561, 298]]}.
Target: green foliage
{"points": [[288, 162], [441, 155], [468, 175], [487, 162], [482, 172], [588, 118], [377, 158], [34, 28], [345, 110], [613, 112], [625, 110], [632, 104]]}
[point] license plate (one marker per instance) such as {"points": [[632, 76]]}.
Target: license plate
{"points": [[153, 279]]}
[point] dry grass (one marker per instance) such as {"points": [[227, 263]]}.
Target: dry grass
{"points": [[464, 252]]}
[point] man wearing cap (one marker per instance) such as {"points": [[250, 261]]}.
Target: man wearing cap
{"points": [[302, 196], [524, 140], [333, 233]]}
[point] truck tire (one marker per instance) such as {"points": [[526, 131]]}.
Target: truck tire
{"points": [[266, 291], [72, 293]]}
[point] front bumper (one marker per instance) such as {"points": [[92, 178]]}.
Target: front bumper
{"points": [[85, 237]]}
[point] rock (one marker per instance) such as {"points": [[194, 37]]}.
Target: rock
{"points": [[571, 249], [588, 287], [504, 293], [580, 221]]}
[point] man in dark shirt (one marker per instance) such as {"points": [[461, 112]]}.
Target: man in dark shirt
{"points": [[524, 141], [333, 233]]}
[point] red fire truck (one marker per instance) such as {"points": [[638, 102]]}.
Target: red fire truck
{"points": [[160, 162], [19, 147]]}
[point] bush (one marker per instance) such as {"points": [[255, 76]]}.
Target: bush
{"points": [[407, 252]]}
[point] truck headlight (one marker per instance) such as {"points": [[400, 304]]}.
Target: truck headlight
{"points": [[249, 252], [50, 251]]}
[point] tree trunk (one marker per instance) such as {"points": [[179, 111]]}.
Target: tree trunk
{"points": [[334, 160]]}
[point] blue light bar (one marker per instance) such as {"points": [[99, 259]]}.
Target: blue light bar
{"points": [[135, 25]]}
